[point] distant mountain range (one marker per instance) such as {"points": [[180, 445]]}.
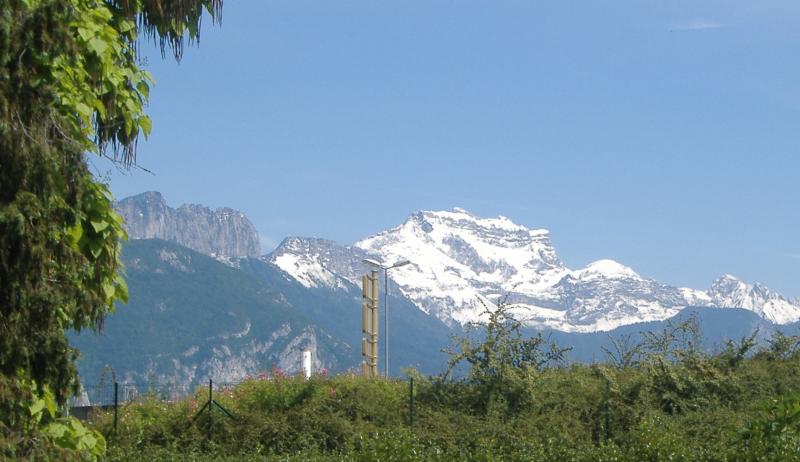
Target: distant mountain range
{"points": [[460, 262], [204, 303]]}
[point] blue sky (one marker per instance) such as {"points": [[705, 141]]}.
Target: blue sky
{"points": [[662, 134]]}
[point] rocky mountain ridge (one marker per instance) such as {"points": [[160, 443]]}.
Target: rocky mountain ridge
{"points": [[219, 233]]}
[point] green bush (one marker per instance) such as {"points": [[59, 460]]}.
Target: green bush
{"points": [[667, 405]]}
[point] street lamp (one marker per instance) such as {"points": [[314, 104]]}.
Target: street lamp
{"points": [[385, 269]]}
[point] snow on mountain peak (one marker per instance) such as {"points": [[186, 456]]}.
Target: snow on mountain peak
{"points": [[317, 262], [731, 292], [608, 269], [459, 217], [457, 256], [458, 259], [728, 278]]}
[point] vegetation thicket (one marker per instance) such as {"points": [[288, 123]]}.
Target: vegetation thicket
{"points": [[70, 85], [518, 401]]}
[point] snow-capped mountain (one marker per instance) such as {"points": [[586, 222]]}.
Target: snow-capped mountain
{"points": [[461, 262], [459, 259], [730, 292], [605, 295], [317, 262]]}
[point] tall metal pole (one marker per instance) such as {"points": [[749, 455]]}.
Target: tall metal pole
{"points": [[385, 269], [210, 400], [386, 320]]}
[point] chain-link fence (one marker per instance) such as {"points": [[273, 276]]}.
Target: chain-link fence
{"points": [[111, 396]]}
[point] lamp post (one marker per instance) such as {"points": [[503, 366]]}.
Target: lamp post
{"points": [[385, 269]]}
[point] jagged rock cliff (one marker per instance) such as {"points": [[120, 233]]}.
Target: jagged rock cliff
{"points": [[222, 233]]}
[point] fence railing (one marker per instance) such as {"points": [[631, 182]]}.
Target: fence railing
{"points": [[112, 396], [126, 392]]}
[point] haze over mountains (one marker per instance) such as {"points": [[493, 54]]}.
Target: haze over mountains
{"points": [[233, 312]]}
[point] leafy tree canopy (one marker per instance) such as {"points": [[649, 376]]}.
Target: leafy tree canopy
{"points": [[71, 84], [503, 362]]}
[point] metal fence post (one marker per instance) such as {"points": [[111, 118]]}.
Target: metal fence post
{"points": [[607, 410], [116, 405], [210, 401], [411, 402]]}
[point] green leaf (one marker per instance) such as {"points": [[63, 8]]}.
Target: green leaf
{"points": [[98, 46], [122, 289], [56, 430], [146, 125], [128, 126], [95, 248], [50, 402], [36, 407], [143, 88], [85, 33], [78, 429], [75, 233], [100, 444], [87, 441], [109, 290], [84, 110], [100, 108], [99, 225]]}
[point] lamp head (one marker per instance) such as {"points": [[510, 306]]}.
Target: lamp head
{"points": [[372, 262], [400, 263]]}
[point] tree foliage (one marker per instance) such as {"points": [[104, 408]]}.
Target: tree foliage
{"points": [[502, 361], [71, 85]]}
